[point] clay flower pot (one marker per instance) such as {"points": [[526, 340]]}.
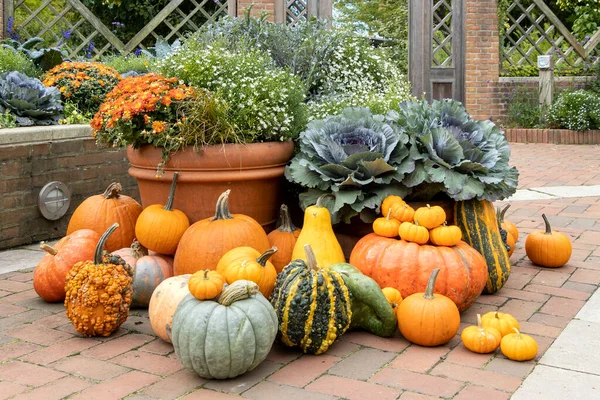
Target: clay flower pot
{"points": [[253, 172]]}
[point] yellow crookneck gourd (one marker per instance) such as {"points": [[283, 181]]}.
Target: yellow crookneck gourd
{"points": [[318, 233]]}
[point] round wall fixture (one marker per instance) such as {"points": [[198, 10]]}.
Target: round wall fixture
{"points": [[54, 200]]}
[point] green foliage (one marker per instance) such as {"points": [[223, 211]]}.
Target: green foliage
{"points": [[123, 64], [45, 58], [29, 100], [16, 61], [72, 115], [522, 105], [578, 110], [7, 120], [265, 102], [356, 156]]}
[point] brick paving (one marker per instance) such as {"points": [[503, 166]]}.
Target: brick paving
{"points": [[41, 355]]}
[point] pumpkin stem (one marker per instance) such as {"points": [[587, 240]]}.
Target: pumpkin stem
{"points": [[431, 284], [503, 212], [112, 191], [238, 290], [222, 210], [48, 249], [517, 331], [264, 257], [206, 271], [548, 229], [322, 198], [98, 254], [311, 259], [479, 322], [285, 222], [169, 205], [389, 214], [137, 250]]}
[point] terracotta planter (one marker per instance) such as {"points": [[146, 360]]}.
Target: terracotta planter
{"points": [[253, 172], [349, 234]]}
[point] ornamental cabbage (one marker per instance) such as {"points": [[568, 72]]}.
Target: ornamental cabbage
{"points": [[29, 100], [356, 156], [454, 154]]}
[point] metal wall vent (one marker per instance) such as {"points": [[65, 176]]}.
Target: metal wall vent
{"points": [[54, 200]]}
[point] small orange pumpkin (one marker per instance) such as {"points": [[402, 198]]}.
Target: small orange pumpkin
{"points": [[479, 339], [428, 319], [502, 322], [445, 235], [413, 232], [100, 211], [519, 346], [391, 203], [249, 264], [548, 249], [206, 285], [430, 217], [284, 238], [160, 228], [392, 295], [386, 227]]}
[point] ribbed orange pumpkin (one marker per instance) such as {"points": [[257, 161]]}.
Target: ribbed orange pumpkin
{"points": [[206, 241], [163, 303], [49, 275], [245, 263], [284, 238], [100, 211], [148, 271], [159, 228], [407, 267], [548, 249]]}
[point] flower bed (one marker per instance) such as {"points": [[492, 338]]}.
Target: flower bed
{"points": [[556, 136]]}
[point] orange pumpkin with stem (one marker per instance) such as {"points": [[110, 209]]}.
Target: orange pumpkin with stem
{"points": [[49, 275], [481, 339], [428, 319], [518, 346], [249, 264], [413, 232], [159, 228], [206, 285], [284, 238], [445, 235], [548, 249], [386, 227], [392, 295], [503, 322], [430, 217], [100, 211], [206, 241]]}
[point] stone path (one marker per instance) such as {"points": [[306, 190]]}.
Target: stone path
{"points": [[41, 355]]}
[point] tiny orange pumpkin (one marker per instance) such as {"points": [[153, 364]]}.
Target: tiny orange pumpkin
{"points": [[503, 322], [392, 295], [518, 346], [386, 227], [413, 232], [445, 235], [205, 285], [479, 339], [247, 263], [430, 217], [548, 249]]}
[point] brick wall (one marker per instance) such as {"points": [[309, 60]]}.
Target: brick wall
{"points": [[26, 167], [258, 7], [2, 19], [482, 57]]}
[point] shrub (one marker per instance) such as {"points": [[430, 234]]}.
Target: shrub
{"points": [[83, 83], [578, 110], [15, 61], [265, 103], [7, 120], [522, 106], [123, 64]]}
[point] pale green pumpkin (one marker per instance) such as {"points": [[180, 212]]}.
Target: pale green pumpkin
{"points": [[225, 338]]}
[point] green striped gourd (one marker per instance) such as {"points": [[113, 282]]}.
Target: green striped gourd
{"points": [[479, 225], [312, 305]]}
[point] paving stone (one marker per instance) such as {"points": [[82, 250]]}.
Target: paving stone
{"points": [[59, 350], [273, 391], [408, 380], [283, 355], [58, 389], [53, 321], [581, 287], [419, 359], [416, 396], [204, 394], [342, 348], [549, 278], [539, 329], [352, 389], [477, 376], [521, 310], [117, 346], [471, 392], [551, 383], [589, 237], [565, 353], [37, 334], [562, 307], [552, 320], [138, 325], [558, 291], [10, 309], [246, 381], [19, 297], [304, 370], [118, 387], [362, 364], [395, 343], [148, 362], [16, 350], [89, 368], [460, 355], [36, 303], [586, 276], [9, 389], [158, 346], [22, 276], [28, 374], [503, 365], [175, 385], [590, 311], [13, 286]]}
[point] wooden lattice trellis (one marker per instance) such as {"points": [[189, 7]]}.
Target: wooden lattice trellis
{"points": [[291, 12], [442, 33], [533, 30], [72, 25]]}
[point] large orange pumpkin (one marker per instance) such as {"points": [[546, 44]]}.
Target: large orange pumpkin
{"points": [[49, 275], [148, 271], [407, 267], [284, 238], [159, 228], [163, 303], [100, 211], [206, 241]]}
